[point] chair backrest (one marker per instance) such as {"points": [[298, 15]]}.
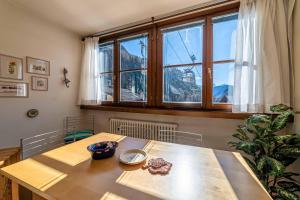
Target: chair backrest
{"points": [[182, 137], [78, 123], [40, 143]]}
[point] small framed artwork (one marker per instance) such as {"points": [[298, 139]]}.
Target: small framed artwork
{"points": [[39, 83], [13, 89], [38, 66], [11, 67]]}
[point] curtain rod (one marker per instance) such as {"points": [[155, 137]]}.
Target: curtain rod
{"points": [[182, 12]]}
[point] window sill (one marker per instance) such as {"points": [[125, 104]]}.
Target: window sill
{"points": [[161, 111]]}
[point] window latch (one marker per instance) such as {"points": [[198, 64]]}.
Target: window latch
{"points": [[209, 73]]}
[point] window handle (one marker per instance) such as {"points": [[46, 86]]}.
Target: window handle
{"points": [[209, 73]]}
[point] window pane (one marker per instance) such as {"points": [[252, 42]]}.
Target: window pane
{"points": [[133, 53], [224, 37], [106, 57], [183, 45], [106, 84], [134, 86], [223, 82], [183, 84]]}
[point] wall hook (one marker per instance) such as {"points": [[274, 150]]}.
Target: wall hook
{"points": [[66, 80]]}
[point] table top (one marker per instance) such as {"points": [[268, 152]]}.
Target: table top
{"points": [[69, 172]]}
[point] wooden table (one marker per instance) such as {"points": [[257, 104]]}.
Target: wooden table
{"points": [[197, 173], [8, 156]]}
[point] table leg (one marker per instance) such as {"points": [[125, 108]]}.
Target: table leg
{"points": [[15, 190]]}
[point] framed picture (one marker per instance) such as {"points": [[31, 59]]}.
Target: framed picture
{"points": [[38, 66], [11, 67], [13, 89], [39, 83]]}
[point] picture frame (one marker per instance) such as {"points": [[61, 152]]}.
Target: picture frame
{"points": [[13, 89], [39, 83], [11, 67], [37, 66]]}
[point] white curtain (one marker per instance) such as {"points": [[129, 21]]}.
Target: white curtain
{"points": [[89, 91], [263, 68]]}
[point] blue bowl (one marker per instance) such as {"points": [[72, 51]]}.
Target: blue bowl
{"points": [[102, 150]]}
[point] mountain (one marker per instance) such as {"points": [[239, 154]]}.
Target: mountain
{"points": [[129, 61], [223, 93]]}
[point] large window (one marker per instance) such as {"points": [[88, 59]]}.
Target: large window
{"points": [[133, 68], [186, 62], [224, 34], [182, 63], [106, 60]]}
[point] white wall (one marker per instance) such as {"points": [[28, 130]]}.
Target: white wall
{"points": [[21, 35], [216, 132]]}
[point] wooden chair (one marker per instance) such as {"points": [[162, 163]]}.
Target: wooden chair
{"points": [[40, 143]]}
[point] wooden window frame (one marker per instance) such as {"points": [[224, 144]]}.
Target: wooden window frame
{"points": [[113, 72], [154, 68], [159, 101], [118, 65], [210, 63]]}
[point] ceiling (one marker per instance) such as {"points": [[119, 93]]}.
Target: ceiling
{"points": [[90, 16]]}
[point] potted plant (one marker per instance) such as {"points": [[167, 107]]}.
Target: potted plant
{"points": [[268, 152]]}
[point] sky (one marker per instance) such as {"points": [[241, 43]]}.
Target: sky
{"points": [[181, 45]]}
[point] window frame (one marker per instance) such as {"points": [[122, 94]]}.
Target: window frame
{"points": [[155, 62], [104, 102], [210, 63], [159, 101], [116, 68]]}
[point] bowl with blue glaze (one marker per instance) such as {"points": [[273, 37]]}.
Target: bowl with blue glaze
{"points": [[102, 150]]}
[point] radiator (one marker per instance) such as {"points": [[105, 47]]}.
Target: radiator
{"points": [[143, 129]]}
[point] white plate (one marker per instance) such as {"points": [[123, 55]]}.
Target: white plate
{"points": [[133, 156]]}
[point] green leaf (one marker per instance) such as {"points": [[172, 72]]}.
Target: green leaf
{"points": [[289, 175], [289, 151], [240, 136], [286, 161], [232, 144], [258, 124], [252, 165], [290, 186], [248, 147], [280, 121], [270, 166], [295, 140], [279, 108], [286, 194], [264, 145], [283, 138]]}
